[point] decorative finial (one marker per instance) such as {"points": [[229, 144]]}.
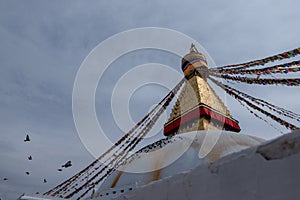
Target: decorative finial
{"points": [[193, 48]]}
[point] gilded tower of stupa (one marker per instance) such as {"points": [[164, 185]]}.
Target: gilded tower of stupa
{"points": [[198, 107]]}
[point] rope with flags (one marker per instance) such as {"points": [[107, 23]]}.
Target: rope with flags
{"points": [[260, 81], [263, 103], [278, 57], [114, 156], [252, 111], [232, 92], [277, 69], [272, 107], [61, 187], [124, 155], [72, 184]]}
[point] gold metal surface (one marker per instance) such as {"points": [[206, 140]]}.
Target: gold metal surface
{"points": [[195, 91]]}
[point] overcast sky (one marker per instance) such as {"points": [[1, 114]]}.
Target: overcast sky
{"points": [[43, 44]]}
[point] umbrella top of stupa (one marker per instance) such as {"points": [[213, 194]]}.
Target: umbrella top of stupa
{"points": [[194, 61]]}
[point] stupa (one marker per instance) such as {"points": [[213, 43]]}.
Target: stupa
{"points": [[198, 106], [200, 129], [200, 132]]}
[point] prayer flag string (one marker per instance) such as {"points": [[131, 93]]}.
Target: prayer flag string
{"points": [[236, 96], [260, 81], [129, 141], [277, 69], [270, 106], [281, 56]]}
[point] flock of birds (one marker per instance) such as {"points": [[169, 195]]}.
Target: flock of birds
{"points": [[66, 165]]}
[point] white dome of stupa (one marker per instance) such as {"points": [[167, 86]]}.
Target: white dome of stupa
{"points": [[173, 155]]}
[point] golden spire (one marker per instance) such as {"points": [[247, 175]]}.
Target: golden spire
{"points": [[198, 107], [193, 48]]}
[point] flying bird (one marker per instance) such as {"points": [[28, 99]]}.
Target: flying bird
{"points": [[5, 179], [30, 158], [59, 170], [68, 164], [27, 139], [27, 173], [45, 181]]}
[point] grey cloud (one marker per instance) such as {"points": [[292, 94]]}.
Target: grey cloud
{"points": [[44, 42]]}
